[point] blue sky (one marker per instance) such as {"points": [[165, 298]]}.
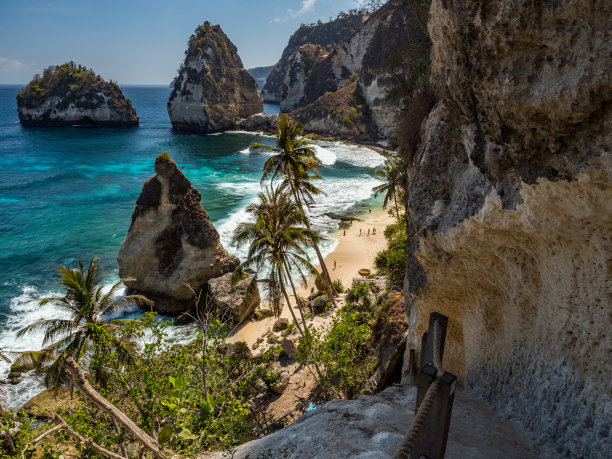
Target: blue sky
{"points": [[143, 41]]}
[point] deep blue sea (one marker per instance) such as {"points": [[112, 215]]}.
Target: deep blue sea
{"points": [[68, 194]]}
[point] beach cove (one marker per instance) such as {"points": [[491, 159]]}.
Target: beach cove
{"points": [[68, 194]]}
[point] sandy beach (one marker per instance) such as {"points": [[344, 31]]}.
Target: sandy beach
{"points": [[356, 249]]}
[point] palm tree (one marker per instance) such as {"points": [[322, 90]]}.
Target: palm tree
{"points": [[392, 175], [88, 331], [296, 163], [275, 242]]}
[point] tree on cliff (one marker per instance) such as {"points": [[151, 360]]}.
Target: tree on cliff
{"points": [[296, 164], [88, 328]]}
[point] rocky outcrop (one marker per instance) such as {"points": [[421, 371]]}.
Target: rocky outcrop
{"points": [[238, 301], [212, 91], [339, 114], [260, 75], [70, 94], [373, 427], [312, 76], [260, 122], [322, 38], [510, 197], [171, 242]]}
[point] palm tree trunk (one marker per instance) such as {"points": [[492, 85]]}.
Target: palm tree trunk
{"points": [[295, 319], [326, 278], [79, 379], [297, 301]]}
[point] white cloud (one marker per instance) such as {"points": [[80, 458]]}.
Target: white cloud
{"points": [[6, 63], [307, 6]]}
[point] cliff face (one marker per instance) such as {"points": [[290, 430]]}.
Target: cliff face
{"points": [[363, 47], [171, 242], [70, 94], [213, 91], [322, 36], [511, 212]]}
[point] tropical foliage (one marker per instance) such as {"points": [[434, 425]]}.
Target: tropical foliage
{"points": [[276, 242], [345, 351], [392, 260], [296, 164], [392, 175], [88, 329]]}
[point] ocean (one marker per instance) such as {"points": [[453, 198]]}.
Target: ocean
{"points": [[68, 194]]}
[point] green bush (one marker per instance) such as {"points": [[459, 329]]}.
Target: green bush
{"points": [[338, 287], [345, 352], [392, 260]]}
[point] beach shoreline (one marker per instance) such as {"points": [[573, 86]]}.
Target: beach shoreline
{"points": [[356, 249]]}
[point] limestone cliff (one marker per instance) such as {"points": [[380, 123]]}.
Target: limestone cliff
{"points": [[366, 48], [171, 242], [70, 94], [510, 204], [323, 36], [212, 91]]}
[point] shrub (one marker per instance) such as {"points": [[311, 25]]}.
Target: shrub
{"points": [[338, 287], [392, 260]]}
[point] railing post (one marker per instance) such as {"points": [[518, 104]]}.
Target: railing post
{"points": [[431, 442]]}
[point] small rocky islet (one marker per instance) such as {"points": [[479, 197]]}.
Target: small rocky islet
{"points": [[71, 94]]}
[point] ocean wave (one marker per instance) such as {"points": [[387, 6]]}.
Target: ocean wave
{"points": [[355, 155], [326, 157], [245, 151]]}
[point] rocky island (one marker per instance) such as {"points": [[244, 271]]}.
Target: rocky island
{"points": [[171, 243], [71, 94], [213, 91]]}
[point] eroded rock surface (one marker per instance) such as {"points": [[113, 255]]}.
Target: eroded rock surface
{"points": [[235, 301], [510, 198], [213, 91], [171, 242]]}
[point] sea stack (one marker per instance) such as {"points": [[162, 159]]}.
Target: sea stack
{"points": [[213, 91], [71, 94], [171, 242]]}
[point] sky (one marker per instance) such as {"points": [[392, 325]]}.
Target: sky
{"points": [[143, 41]]}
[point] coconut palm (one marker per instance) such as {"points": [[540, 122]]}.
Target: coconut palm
{"points": [[88, 330], [276, 239], [296, 163], [392, 174]]}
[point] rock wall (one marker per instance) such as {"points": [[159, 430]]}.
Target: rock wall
{"points": [[509, 199], [212, 91], [323, 36], [171, 242], [366, 48]]}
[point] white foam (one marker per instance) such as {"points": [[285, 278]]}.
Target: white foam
{"points": [[246, 151], [352, 154], [326, 157]]}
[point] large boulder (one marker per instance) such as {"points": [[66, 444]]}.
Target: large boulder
{"points": [[171, 242], [235, 301], [70, 94], [212, 91]]}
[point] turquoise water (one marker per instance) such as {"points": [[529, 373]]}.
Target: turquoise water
{"points": [[68, 194]]}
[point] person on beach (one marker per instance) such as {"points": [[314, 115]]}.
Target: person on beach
{"points": [[334, 264], [374, 230], [344, 234], [359, 232], [368, 231]]}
